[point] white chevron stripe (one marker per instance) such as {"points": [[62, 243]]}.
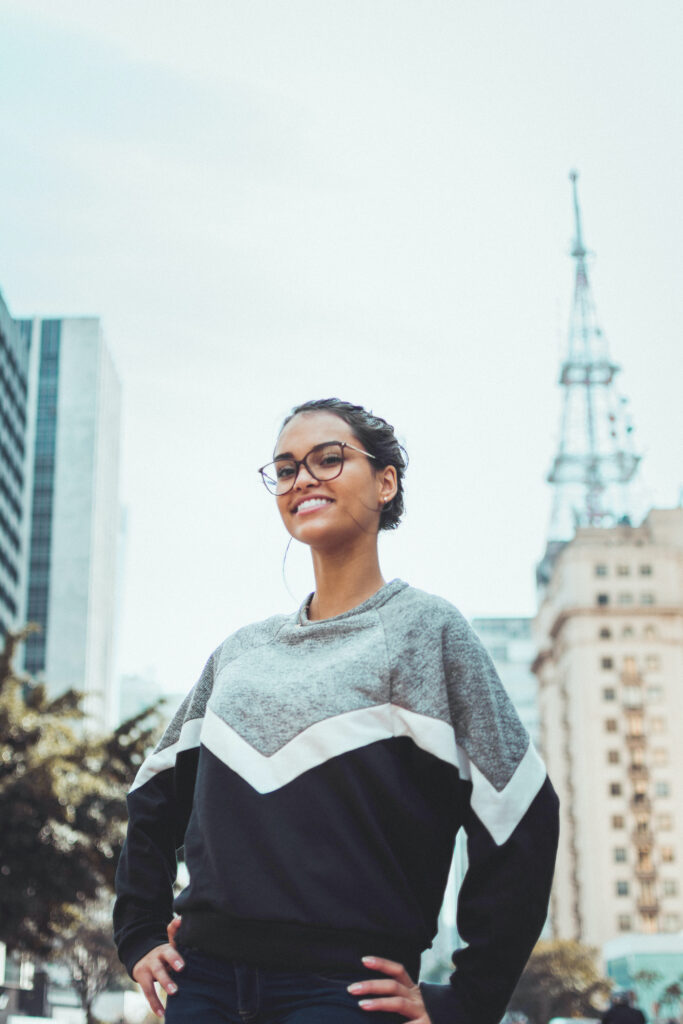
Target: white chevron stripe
{"points": [[499, 811], [162, 759], [322, 741]]}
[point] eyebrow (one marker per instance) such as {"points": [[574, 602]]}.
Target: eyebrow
{"points": [[290, 455]]}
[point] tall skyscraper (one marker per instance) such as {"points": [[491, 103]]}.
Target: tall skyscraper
{"points": [[74, 413], [14, 352], [610, 664], [510, 643]]}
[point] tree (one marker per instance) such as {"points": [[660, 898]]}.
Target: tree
{"points": [[62, 805], [672, 995], [560, 980], [86, 950]]}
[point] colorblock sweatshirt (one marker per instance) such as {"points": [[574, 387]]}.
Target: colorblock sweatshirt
{"points": [[316, 776]]}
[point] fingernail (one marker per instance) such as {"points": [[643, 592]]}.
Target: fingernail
{"points": [[356, 987], [366, 1003], [369, 959], [160, 1013], [178, 964], [172, 988]]}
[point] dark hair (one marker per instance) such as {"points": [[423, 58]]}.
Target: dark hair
{"points": [[377, 437]]}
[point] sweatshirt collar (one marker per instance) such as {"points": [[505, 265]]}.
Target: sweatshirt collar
{"points": [[377, 599]]}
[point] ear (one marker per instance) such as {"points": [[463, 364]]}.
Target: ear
{"points": [[387, 481]]}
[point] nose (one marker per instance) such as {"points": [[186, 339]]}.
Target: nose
{"points": [[297, 479]]}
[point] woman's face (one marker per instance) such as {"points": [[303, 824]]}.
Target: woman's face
{"points": [[336, 511]]}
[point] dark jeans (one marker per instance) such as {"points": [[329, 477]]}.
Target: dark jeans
{"points": [[212, 991]]}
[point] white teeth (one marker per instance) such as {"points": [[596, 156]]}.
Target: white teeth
{"points": [[313, 503]]}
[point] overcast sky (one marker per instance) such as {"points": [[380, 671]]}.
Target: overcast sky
{"points": [[271, 201]]}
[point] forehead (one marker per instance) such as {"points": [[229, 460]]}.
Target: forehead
{"points": [[310, 428]]}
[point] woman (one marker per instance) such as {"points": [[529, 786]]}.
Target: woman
{"points": [[317, 774]]}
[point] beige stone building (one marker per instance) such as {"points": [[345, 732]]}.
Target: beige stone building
{"points": [[609, 634]]}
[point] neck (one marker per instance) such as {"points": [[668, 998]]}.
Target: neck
{"points": [[344, 580]]}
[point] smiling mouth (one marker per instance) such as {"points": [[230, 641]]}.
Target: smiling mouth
{"points": [[312, 503]]}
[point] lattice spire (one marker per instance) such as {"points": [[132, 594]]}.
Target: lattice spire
{"points": [[595, 459]]}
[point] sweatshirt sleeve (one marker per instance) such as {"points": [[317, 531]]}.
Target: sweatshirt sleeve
{"points": [[159, 806], [512, 826]]}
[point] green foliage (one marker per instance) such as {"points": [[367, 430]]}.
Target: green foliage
{"points": [[62, 805], [86, 949], [561, 979]]}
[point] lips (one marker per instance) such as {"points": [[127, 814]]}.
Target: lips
{"points": [[311, 503]]}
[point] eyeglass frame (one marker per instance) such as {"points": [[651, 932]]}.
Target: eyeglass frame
{"points": [[302, 462]]}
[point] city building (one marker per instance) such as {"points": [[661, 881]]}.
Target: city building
{"points": [[510, 643], [609, 633], [14, 353], [74, 398]]}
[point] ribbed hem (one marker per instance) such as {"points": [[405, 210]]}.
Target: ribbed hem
{"points": [[288, 946]]}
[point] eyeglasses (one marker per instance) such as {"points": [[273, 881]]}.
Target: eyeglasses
{"points": [[324, 462]]}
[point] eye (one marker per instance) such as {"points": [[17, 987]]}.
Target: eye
{"points": [[284, 471], [330, 459]]}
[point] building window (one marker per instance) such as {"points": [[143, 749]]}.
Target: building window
{"points": [[629, 663], [669, 887], [671, 922], [627, 631], [660, 756], [647, 598], [650, 632], [609, 693], [624, 922], [625, 598], [623, 570], [645, 570], [607, 663], [615, 789], [652, 661], [658, 724], [635, 723], [613, 757], [620, 855], [605, 633], [622, 888], [655, 694], [602, 599], [662, 788], [611, 725], [617, 821], [665, 822], [633, 696], [668, 855], [600, 570]]}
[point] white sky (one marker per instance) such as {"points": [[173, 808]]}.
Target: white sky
{"points": [[272, 201]]}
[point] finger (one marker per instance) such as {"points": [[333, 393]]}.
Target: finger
{"points": [[396, 970], [150, 993], [172, 928], [171, 956], [161, 975], [394, 1004], [378, 986]]}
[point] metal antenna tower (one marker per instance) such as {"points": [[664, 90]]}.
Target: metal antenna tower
{"points": [[595, 460]]}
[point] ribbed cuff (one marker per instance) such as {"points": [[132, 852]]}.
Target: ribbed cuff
{"points": [[444, 1005]]}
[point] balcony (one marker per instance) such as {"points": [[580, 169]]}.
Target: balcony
{"points": [[638, 772], [640, 802], [648, 907], [645, 873], [643, 839]]}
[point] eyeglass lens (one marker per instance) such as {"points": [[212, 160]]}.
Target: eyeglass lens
{"points": [[323, 463]]}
